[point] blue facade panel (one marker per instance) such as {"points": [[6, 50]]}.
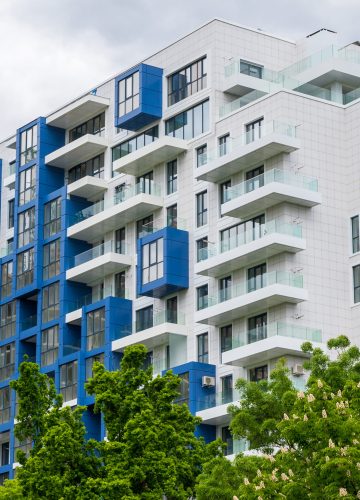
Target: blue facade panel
{"points": [[150, 98], [176, 263]]}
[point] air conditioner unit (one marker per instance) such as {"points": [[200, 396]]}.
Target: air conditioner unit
{"points": [[297, 370], [208, 381]]}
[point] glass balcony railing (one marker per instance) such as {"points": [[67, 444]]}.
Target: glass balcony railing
{"points": [[28, 322], [154, 226], [268, 128], [251, 285], [9, 170], [275, 175], [238, 103], [159, 318], [98, 251], [280, 329], [129, 192], [95, 296], [218, 399], [259, 231]]}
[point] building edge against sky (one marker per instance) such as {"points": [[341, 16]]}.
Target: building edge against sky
{"points": [[205, 203]]}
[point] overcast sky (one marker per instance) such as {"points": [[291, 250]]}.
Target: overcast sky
{"points": [[53, 50]]}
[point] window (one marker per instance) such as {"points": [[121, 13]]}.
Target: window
{"points": [[224, 192], [153, 261], [256, 277], [144, 226], [203, 348], [171, 215], [94, 126], [120, 193], [171, 177], [120, 241], [225, 288], [187, 81], [120, 290], [135, 143], [3, 477], [190, 123], [5, 405], [201, 209], [51, 259], [226, 436], [355, 234], [26, 227], [24, 446], [251, 69], [28, 145], [224, 145], [201, 156], [184, 391], [254, 178], [144, 183], [202, 249], [7, 361], [49, 345], [144, 318], [89, 363], [258, 373], [227, 389], [356, 277], [93, 167], [148, 361], [171, 310], [257, 328], [202, 297], [253, 130], [95, 332], [7, 320], [25, 268], [226, 338], [11, 213], [10, 246], [68, 380], [128, 93], [6, 279], [52, 218], [50, 302], [242, 233], [27, 191], [5, 448]]}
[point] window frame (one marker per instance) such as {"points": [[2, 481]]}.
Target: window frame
{"points": [[66, 388], [7, 278], [50, 345], [26, 227], [189, 124], [171, 177], [51, 268], [202, 342], [95, 329], [202, 208], [25, 264], [50, 303], [28, 145], [27, 185], [52, 225], [194, 79], [131, 98], [152, 261]]}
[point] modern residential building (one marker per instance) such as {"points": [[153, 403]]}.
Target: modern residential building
{"points": [[204, 202]]}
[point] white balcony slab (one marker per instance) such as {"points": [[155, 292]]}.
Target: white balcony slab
{"points": [[249, 253], [74, 317], [240, 84], [151, 337], [246, 156], [99, 267], [268, 196], [87, 187], [77, 151], [162, 150], [264, 350], [9, 181], [250, 303], [136, 207], [78, 111], [217, 415]]}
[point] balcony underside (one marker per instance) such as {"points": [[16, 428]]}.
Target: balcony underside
{"points": [[76, 152], [99, 267], [248, 155], [245, 255], [151, 337], [240, 84], [88, 187], [217, 415], [250, 303], [78, 111]]}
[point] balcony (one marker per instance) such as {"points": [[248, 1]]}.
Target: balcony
{"points": [[213, 408], [141, 161], [135, 203], [252, 246], [77, 151], [273, 138], [74, 308], [271, 341], [166, 325], [270, 189], [9, 176], [78, 111], [268, 290], [98, 262], [87, 187]]}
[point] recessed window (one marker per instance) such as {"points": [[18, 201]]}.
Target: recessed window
{"points": [[28, 145], [7, 361], [355, 234], [201, 209], [172, 310], [135, 143], [128, 90], [49, 345], [226, 338], [5, 405], [89, 363], [171, 216], [256, 277], [52, 218], [203, 348], [187, 81], [184, 389], [6, 279], [202, 249], [224, 191], [225, 288], [153, 261], [201, 156], [11, 213], [171, 169], [26, 227], [51, 259], [25, 268], [120, 285], [144, 318], [202, 297], [257, 328], [95, 333], [94, 126], [7, 320], [254, 179], [69, 380], [356, 278], [93, 167], [254, 130], [224, 145], [120, 241], [189, 123], [50, 302], [27, 190]]}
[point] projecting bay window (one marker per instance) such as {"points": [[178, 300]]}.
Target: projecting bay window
{"points": [[355, 234], [25, 268], [95, 332], [27, 191], [50, 302], [6, 279], [49, 345], [253, 130], [51, 259], [26, 227], [189, 123], [5, 405], [94, 126], [93, 167], [7, 320], [7, 361], [128, 92], [187, 81], [52, 218], [69, 380], [152, 261], [28, 145]]}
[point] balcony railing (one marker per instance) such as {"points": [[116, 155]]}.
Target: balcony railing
{"points": [[95, 296], [159, 318], [218, 399], [268, 128], [28, 322], [278, 329], [10, 170], [258, 232], [131, 191], [154, 226], [99, 250], [251, 285]]}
